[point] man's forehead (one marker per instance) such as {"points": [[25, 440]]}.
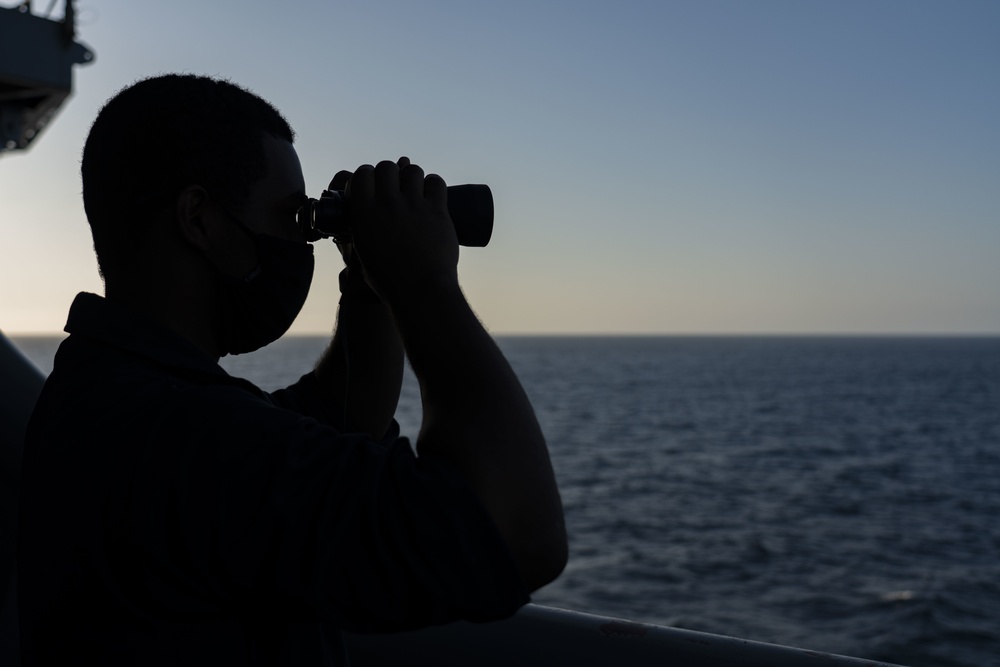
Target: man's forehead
{"points": [[284, 171]]}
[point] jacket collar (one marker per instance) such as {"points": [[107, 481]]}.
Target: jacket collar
{"points": [[115, 324]]}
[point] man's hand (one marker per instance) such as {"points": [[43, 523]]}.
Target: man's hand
{"points": [[401, 228], [353, 284], [339, 183]]}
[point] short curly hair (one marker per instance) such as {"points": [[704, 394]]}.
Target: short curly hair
{"points": [[160, 135]]}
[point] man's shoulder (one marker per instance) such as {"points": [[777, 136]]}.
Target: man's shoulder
{"points": [[100, 391]]}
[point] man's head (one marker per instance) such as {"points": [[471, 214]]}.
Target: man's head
{"points": [[157, 138]]}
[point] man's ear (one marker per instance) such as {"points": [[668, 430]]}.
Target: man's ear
{"points": [[193, 218]]}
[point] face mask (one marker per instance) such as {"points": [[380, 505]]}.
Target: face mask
{"points": [[258, 309]]}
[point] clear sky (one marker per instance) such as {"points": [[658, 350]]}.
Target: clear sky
{"points": [[704, 166]]}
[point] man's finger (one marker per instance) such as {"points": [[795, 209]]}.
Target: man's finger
{"points": [[340, 180], [436, 190], [386, 179], [362, 185], [411, 181]]}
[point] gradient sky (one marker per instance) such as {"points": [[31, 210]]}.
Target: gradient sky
{"points": [[704, 166]]}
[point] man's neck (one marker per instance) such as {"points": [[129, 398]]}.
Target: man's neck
{"points": [[185, 311]]}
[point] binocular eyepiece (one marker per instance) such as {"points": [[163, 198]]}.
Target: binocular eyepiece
{"points": [[470, 208]]}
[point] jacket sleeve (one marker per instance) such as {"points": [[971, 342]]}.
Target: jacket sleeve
{"points": [[275, 510], [304, 398]]}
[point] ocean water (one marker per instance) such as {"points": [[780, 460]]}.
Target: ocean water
{"points": [[838, 494]]}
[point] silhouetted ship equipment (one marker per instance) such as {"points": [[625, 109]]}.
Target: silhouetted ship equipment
{"points": [[36, 60], [37, 56]]}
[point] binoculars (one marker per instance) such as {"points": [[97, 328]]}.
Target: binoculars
{"points": [[470, 208]]}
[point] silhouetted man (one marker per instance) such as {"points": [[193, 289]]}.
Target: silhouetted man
{"points": [[174, 515]]}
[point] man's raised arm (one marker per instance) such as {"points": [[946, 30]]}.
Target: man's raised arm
{"points": [[361, 372], [476, 413]]}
